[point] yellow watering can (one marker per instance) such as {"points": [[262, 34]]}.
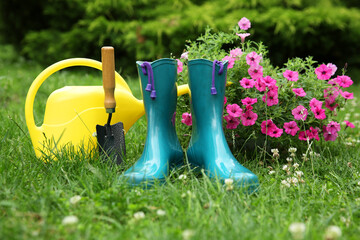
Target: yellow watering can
{"points": [[72, 112]]}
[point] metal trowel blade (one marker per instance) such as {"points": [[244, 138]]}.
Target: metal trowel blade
{"points": [[111, 140]]}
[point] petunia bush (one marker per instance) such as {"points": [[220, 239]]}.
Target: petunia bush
{"points": [[267, 106]]}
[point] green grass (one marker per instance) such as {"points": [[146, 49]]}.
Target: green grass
{"points": [[35, 196]]}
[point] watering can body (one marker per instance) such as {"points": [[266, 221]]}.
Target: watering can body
{"points": [[72, 113]]}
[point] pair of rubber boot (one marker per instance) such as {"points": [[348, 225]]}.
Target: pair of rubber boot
{"points": [[208, 148]]}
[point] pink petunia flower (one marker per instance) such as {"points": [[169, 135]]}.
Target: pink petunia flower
{"points": [[291, 128], [332, 82], [232, 122], [253, 59], [247, 83], [331, 91], [319, 113], [236, 53], [234, 110], [244, 23], [267, 126], [303, 135], [248, 118], [271, 98], [349, 124], [186, 119], [259, 85], [315, 103], [300, 112], [255, 72], [243, 36], [332, 67], [231, 61], [299, 92], [275, 132], [179, 66], [333, 127], [225, 100], [291, 75], [323, 72], [346, 95], [268, 81], [344, 81], [329, 136], [185, 55], [309, 134], [248, 101], [315, 133], [330, 103], [249, 108]]}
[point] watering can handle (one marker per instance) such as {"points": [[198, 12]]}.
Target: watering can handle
{"points": [[30, 98]]}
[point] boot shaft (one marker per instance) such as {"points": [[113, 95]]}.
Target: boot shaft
{"points": [[207, 107], [157, 81]]}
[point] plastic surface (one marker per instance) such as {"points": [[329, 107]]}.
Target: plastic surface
{"points": [[208, 147], [162, 148]]}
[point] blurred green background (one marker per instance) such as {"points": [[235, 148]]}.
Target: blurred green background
{"points": [[51, 30]]}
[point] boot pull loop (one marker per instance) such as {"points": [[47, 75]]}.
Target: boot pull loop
{"points": [[150, 87], [213, 89]]}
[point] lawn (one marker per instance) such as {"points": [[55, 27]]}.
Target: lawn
{"points": [[78, 197]]}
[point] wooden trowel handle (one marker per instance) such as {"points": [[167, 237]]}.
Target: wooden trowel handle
{"points": [[108, 73]]}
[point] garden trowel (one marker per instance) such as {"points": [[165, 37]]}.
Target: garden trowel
{"points": [[110, 138]]}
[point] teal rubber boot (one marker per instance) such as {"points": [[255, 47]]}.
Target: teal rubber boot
{"points": [[208, 148], [162, 148]]}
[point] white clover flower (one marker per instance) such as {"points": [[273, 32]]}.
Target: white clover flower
{"points": [[138, 193], [139, 215], [229, 181], [289, 159], [272, 172], [182, 177], [285, 183], [292, 150], [357, 115], [285, 167], [296, 165], [187, 234], [332, 232], [292, 180], [69, 220], [75, 199], [160, 212], [183, 195], [297, 230], [299, 174], [275, 151]]}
